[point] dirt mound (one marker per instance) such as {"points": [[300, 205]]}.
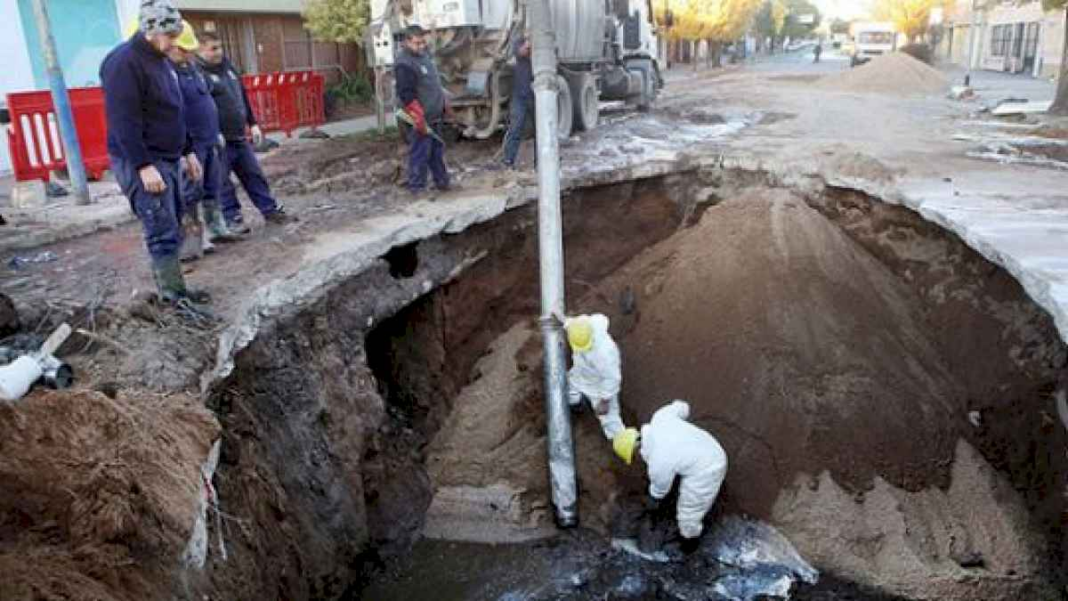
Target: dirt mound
{"points": [[896, 73], [98, 496]]}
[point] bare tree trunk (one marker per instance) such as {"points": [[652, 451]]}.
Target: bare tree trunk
{"points": [[1060, 101], [715, 52]]}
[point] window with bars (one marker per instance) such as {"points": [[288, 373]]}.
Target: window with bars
{"points": [[1000, 37]]}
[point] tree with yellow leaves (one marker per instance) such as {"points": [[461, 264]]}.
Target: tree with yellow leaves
{"points": [[716, 21], [910, 17]]}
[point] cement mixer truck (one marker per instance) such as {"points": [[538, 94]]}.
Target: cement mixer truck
{"points": [[607, 50]]}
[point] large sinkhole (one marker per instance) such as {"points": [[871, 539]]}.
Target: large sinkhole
{"points": [[883, 392]]}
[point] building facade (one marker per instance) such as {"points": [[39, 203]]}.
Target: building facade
{"points": [[1008, 36]]}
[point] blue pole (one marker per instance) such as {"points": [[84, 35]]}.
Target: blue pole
{"points": [[61, 101]]}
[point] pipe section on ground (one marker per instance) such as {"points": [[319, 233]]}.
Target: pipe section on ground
{"points": [[551, 257]]}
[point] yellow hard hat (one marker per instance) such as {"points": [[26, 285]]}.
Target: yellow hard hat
{"points": [[623, 444], [580, 334], [187, 40]]}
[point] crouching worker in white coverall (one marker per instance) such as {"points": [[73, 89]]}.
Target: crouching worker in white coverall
{"points": [[597, 370], [671, 446]]}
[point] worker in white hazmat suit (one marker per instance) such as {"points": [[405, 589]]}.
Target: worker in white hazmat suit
{"points": [[672, 446], [597, 370]]}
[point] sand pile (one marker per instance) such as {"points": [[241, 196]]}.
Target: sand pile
{"points": [[896, 73], [98, 496]]}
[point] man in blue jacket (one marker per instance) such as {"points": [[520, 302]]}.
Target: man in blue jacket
{"points": [[423, 98], [522, 102], [202, 122], [235, 115], [148, 141]]}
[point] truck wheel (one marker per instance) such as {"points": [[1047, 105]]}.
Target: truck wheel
{"points": [[564, 111], [648, 91], [587, 103]]}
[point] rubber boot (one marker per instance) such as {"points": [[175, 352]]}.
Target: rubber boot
{"points": [[192, 246], [171, 283], [216, 229]]}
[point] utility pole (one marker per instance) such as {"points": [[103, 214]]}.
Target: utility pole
{"points": [[72, 151], [551, 256]]}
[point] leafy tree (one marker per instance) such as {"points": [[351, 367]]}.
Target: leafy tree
{"points": [[339, 21], [802, 18], [910, 17], [840, 26], [769, 21]]}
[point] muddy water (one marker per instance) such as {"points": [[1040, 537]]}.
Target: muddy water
{"points": [[569, 566]]}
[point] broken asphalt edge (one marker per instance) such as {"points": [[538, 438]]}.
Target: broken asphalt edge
{"points": [[288, 295]]}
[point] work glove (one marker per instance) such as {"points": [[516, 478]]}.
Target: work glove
{"points": [[257, 135], [415, 111]]}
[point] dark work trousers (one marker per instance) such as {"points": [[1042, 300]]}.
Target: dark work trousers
{"points": [[205, 191], [241, 161], [425, 152], [160, 214], [519, 113]]}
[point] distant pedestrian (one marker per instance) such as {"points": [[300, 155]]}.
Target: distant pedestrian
{"points": [[423, 98], [817, 51], [522, 102], [202, 122], [148, 141], [235, 117]]}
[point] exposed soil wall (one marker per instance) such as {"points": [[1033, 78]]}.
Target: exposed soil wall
{"points": [[326, 415]]}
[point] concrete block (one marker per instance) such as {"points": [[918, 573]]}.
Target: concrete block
{"points": [[29, 195]]}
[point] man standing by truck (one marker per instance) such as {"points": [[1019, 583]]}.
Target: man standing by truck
{"points": [[235, 115], [423, 99], [147, 141], [522, 103]]}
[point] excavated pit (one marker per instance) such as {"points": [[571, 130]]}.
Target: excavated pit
{"points": [[883, 392]]}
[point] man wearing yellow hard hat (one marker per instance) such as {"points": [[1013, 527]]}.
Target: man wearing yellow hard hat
{"points": [[596, 373], [148, 143], [202, 121], [672, 447]]}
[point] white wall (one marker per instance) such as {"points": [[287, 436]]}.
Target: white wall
{"points": [[17, 74], [127, 11]]}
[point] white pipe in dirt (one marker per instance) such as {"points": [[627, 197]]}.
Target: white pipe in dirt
{"points": [[551, 256]]}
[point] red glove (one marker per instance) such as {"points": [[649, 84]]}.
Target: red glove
{"points": [[415, 110]]}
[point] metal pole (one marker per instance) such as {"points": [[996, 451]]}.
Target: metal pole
{"points": [[551, 255], [61, 101]]}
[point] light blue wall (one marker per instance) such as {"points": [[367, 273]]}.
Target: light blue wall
{"points": [[84, 30]]}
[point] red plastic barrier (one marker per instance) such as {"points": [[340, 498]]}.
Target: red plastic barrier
{"points": [[286, 101], [34, 141], [281, 102]]}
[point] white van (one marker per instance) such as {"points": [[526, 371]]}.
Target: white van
{"points": [[871, 40]]}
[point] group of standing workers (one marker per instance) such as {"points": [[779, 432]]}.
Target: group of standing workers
{"points": [[178, 121], [669, 444]]}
